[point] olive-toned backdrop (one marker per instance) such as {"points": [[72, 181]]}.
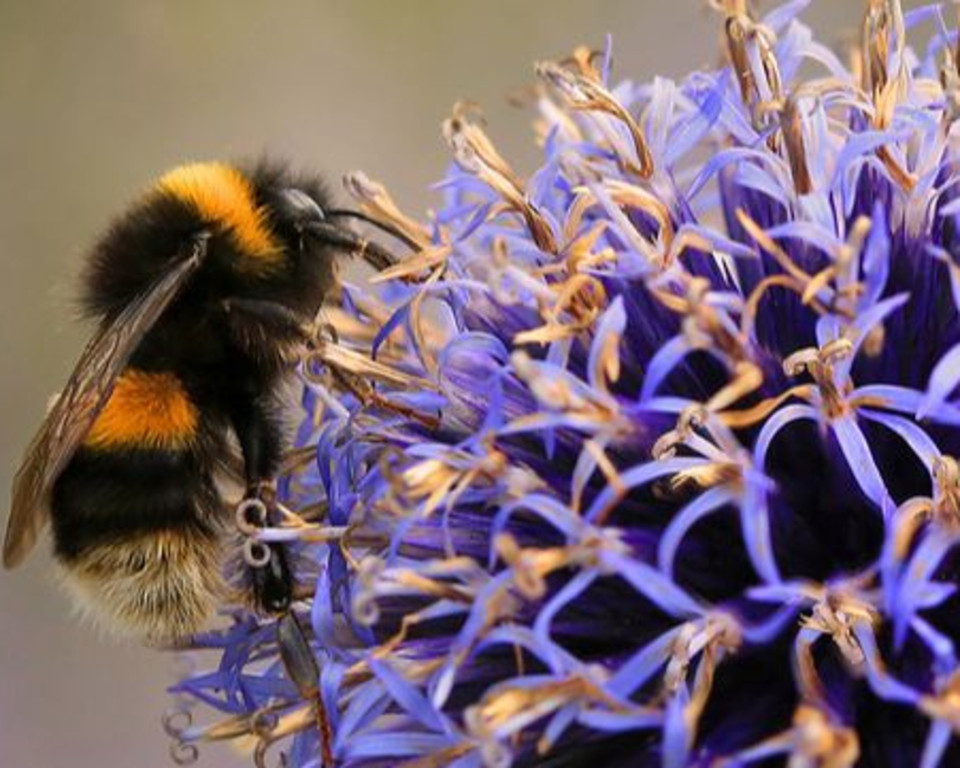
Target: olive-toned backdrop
{"points": [[97, 98]]}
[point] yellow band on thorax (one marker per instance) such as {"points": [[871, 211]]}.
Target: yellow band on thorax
{"points": [[147, 411], [223, 196]]}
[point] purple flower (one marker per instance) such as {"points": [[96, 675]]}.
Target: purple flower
{"points": [[648, 458]]}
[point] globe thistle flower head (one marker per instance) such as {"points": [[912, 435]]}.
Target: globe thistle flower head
{"points": [[647, 458]]}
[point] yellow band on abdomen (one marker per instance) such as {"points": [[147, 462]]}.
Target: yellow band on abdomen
{"points": [[145, 410]]}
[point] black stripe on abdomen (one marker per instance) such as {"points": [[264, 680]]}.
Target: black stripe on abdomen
{"points": [[105, 496]]}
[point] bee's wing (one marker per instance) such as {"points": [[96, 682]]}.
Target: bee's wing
{"points": [[72, 415]]}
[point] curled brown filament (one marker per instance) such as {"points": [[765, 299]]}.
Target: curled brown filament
{"points": [[175, 723]]}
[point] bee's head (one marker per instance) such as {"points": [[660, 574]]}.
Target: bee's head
{"points": [[260, 223], [271, 235]]}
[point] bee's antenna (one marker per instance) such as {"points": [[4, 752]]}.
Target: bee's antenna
{"points": [[383, 226], [375, 255]]}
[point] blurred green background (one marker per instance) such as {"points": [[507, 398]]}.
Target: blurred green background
{"points": [[98, 98]]}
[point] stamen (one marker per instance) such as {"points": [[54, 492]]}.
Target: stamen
{"points": [[770, 246], [582, 60], [426, 260], [475, 153], [946, 475], [747, 378], [750, 47], [583, 93], [792, 127], [883, 24], [375, 200], [760, 412], [835, 615], [748, 319], [945, 703], [581, 296], [909, 519], [875, 42], [820, 741], [530, 567], [348, 361]]}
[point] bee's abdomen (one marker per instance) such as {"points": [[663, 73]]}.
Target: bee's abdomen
{"points": [[157, 587], [139, 469], [136, 515], [146, 410], [138, 536], [105, 496]]}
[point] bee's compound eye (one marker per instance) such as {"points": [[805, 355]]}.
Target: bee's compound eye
{"points": [[256, 554], [300, 206]]}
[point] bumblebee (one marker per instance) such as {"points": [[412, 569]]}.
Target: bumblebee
{"points": [[202, 292]]}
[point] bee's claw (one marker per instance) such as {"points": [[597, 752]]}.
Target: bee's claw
{"points": [[263, 490]]}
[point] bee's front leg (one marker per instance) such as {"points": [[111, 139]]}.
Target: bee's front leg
{"points": [[259, 433], [251, 321], [260, 442]]}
